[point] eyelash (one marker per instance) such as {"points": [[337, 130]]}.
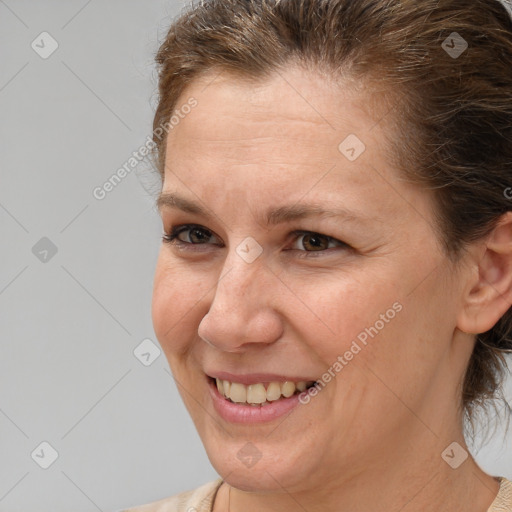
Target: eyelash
{"points": [[171, 238]]}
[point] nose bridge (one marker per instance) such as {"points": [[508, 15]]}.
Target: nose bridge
{"points": [[241, 310], [240, 285], [244, 270]]}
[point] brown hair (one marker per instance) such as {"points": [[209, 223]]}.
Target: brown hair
{"points": [[452, 114]]}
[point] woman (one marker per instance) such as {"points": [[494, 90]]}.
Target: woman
{"points": [[333, 291]]}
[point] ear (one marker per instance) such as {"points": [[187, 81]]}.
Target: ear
{"points": [[489, 292]]}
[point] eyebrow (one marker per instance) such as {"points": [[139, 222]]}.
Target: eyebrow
{"points": [[273, 216]]}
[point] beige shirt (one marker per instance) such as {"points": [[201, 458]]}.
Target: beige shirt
{"points": [[202, 498]]}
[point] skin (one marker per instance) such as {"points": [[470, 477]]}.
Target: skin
{"points": [[372, 439]]}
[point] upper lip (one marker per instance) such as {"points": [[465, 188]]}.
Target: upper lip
{"points": [[255, 378]]}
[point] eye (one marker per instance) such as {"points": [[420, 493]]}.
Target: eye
{"points": [[194, 234], [309, 241]]}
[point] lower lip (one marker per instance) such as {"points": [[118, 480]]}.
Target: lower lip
{"points": [[243, 413]]}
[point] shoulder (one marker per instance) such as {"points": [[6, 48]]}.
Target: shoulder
{"points": [[196, 500], [503, 501]]}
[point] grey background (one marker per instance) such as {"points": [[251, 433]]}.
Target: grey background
{"points": [[69, 325]]}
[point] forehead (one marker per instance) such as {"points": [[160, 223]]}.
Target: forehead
{"points": [[296, 103], [291, 135], [294, 118]]}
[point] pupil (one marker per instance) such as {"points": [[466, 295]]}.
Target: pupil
{"points": [[194, 234], [315, 241]]}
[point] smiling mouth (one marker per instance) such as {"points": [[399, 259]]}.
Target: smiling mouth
{"points": [[261, 393]]}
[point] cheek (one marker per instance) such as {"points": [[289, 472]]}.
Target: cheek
{"points": [[337, 311], [372, 321], [176, 305], [402, 340]]}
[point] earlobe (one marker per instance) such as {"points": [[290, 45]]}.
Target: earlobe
{"points": [[489, 294]]}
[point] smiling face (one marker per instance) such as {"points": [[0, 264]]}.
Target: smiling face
{"points": [[264, 288]]}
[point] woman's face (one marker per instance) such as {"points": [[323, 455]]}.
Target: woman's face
{"points": [[345, 285]]}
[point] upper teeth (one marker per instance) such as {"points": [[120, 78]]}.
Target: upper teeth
{"points": [[257, 393]]}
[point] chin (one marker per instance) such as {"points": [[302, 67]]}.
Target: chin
{"points": [[271, 472]]}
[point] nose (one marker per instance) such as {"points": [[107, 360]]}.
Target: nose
{"points": [[244, 307]]}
